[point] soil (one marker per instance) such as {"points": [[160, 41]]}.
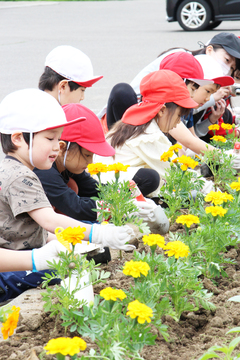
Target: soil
{"points": [[189, 338]]}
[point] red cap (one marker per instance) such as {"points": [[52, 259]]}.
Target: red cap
{"points": [[186, 66], [158, 88], [89, 133]]}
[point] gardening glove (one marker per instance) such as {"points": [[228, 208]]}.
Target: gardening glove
{"points": [[114, 237], [154, 215], [235, 158], [48, 252]]}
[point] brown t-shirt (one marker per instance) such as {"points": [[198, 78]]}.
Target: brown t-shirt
{"points": [[21, 192]]}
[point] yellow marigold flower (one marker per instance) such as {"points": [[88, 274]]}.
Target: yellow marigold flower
{"points": [[74, 235], [10, 324], [65, 346], [177, 249], [174, 161], [186, 162], [139, 310], [214, 127], [235, 185], [226, 126], [136, 268], [217, 197], [117, 167], [218, 138], [187, 220], [175, 147], [96, 168], [112, 294], [216, 210], [166, 155], [154, 239]]}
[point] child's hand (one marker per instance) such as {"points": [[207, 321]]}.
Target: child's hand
{"points": [[114, 237], [48, 252]]}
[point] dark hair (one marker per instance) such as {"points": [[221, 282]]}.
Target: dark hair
{"points": [[187, 82], [50, 78], [74, 147], [200, 51], [121, 132], [7, 144]]}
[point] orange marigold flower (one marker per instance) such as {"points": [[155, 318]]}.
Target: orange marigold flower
{"points": [[218, 138], [166, 155], [226, 126], [117, 167], [10, 324], [96, 168], [73, 235], [214, 127]]}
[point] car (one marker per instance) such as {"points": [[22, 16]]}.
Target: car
{"points": [[202, 14]]}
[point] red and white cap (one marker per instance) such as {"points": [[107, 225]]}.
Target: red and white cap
{"points": [[72, 64], [185, 65], [213, 71]]}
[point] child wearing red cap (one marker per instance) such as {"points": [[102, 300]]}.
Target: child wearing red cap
{"points": [[77, 146], [140, 137]]}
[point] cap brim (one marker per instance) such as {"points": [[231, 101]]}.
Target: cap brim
{"points": [[187, 103], [88, 83], [99, 148], [224, 80], [66, 123], [232, 52], [202, 82]]}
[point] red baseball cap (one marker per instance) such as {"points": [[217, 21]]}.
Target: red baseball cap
{"points": [[89, 133], [186, 66], [158, 88]]}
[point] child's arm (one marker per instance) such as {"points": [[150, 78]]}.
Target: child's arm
{"points": [[49, 220], [109, 235], [14, 260]]}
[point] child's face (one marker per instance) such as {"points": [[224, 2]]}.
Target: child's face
{"points": [[203, 93], [45, 148], [237, 76], [192, 87], [74, 97], [76, 161], [165, 123]]}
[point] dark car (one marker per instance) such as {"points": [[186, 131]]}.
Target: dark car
{"points": [[202, 14]]}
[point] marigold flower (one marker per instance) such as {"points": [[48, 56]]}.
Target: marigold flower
{"points": [[235, 185], [187, 220], [112, 294], [139, 310], [218, 138], [177, 249], [73, 235], [166, 155], [217, 197], [10, 324], [65, 346], [186, 162], [154, 239], [175, 147], [117, 167], [214, 127], [216, 210], [226, 126], [96, 168], [136, 268]]}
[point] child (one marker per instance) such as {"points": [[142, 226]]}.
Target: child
{"points": [[78, 144], [31, 123], [139, 139], [68, 72]]}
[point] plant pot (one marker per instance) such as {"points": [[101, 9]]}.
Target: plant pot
{"points": [[86, 292]]}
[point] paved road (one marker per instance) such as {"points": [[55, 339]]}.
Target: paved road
{"points": [[120, 37]]}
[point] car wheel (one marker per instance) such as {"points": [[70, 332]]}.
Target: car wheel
{"points": [[213, 25], [194, 15]]}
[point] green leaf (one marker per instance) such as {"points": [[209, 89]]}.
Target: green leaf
{"points": [[209, 356]]}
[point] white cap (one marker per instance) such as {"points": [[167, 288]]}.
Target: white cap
{"points": [[72, 64], [213, 71], [31, 110]]}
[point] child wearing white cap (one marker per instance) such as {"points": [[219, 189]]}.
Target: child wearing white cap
{"points": [[31, 123], [68, 72]]}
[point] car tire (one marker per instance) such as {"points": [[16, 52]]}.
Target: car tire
{"points": [[194, 15], [213, 25]]}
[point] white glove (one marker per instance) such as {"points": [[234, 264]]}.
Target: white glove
{"points": [[154, 215], [114, 237], [48, 252], [235, 158]]}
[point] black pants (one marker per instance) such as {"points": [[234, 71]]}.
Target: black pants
{"points": [[147, 180], [121, 97]]}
